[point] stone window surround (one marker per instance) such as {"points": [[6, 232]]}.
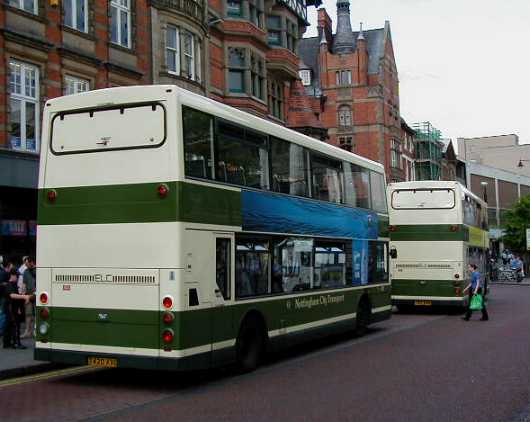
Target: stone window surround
{"points": [[307, 73], [245, 12], [284, 30], [248, 81], [164, 22]]}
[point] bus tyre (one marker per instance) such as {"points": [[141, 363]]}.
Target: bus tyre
{"points": [[250, 345], [363, 318]]}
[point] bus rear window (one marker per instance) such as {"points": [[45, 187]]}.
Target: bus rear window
{"points": [[409, 199], [108, 129]]}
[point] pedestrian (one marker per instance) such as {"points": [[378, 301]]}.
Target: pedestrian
{"points": [[5, 268], [475, 287], [29, 286], [21, 271], [516, 264], [505, 257], [13, 305]]}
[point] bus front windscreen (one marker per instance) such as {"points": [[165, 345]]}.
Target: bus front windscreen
{"points": [[108, 128], [404, 199]]}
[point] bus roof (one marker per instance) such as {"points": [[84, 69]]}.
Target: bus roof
{"points": [[437, 184], [143, 93]]}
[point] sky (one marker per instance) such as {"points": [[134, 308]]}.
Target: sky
{"points": [[463, 65]]}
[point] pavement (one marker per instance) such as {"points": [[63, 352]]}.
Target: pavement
{"points": [[425, 366], [18, 362]]}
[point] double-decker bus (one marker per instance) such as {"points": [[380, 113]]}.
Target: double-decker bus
{"points": [[175, 232], [436, 230]]}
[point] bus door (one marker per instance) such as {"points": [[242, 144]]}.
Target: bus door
{"points": [[223, 298]]}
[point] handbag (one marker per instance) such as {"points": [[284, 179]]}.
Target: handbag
{"points": [[477, 302]]}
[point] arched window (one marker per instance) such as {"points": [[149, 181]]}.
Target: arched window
{"points": [[345, 116]]}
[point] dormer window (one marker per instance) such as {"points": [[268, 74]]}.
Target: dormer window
{"points": [[305, 75]]}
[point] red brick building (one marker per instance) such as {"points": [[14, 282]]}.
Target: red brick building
{"points": [[352, 81], [253, 58]]}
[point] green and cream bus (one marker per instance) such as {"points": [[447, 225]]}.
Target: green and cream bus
{"points": [[175, 232], [436, 230]]}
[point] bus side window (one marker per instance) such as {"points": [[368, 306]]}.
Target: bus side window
{"points": [[198, 143]]}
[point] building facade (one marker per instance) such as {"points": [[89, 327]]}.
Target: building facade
{"points": [[50, 48], [351, 80], [500, 189], [503, 152], [408, 151]]}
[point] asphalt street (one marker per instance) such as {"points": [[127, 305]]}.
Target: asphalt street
{"points": [[431, 366]]}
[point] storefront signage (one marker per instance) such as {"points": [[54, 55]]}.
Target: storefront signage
{"points": [[14, 228], [528, 239]]}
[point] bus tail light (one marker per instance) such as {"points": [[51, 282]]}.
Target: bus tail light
{"points": [[167, 336], [168, 317], [454, 228], [52, 195], [163, 190], [167, 302], [392, 228], [44, 313], [43, 298], [458, 291]]}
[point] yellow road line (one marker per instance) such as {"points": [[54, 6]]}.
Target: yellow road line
{"points": [[78, 370]]}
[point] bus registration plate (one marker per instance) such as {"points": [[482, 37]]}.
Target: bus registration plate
{"points": [[422, 303], [103, 362]]}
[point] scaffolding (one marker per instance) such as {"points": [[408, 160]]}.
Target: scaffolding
{"points": [[429, 149]]}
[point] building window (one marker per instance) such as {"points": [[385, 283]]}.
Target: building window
{"points": [[257, 76], [395, 154], [234, 8], [346, 142], [183, 53], [343, 77], [276, 99], [274, 27], [120, 22], [188, 50], [172, 50], [291, 36], [23, 106], [75, 14], [236, 72], [305, 75], [255, 8], [30, 6], [73, 85], [345, 119]]}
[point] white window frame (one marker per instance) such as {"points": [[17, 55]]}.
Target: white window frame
{"points": [[122, 6], [305, 75], [77, 82], [24, 99], [75, 24], [192, 55], [175, 51], [19, 4]]}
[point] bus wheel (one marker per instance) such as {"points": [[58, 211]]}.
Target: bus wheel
{"points": [[250, 345], [364, 313]]}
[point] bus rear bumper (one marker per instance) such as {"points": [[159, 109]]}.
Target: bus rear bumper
{"points": [[70, 357], [420, 301]]}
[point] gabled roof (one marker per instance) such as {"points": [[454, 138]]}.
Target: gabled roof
{"points": [[309, 49]]}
